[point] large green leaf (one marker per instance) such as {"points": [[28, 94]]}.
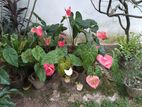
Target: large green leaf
{"points": [[38, 53], [10, 55], [40, 72], [27, 56], [88, 23], [92, 24], [53, 57], [75, 60], [4, 77], [6, 101]]}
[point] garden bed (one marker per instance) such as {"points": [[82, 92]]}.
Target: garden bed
{"points": [[54, 95]]}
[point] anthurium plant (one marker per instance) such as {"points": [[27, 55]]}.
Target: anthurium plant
{"points": [[48, 34], [45, 64], [48, 53], [78, 24]]}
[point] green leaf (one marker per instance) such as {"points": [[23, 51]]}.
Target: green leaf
{"points": [[40, 72], [6, 101], [78, 16], [22, 44], [92, 24], [61, 67], [53, 57], [27, 56], [38, 53], [10, 55], [90, 70], [75, 60], [98, 72], [4, 77], [39, 18], [87, 53], [102, 50], [88, 23]]}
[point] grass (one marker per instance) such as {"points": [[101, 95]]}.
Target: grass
{"points": [[105, 103]]}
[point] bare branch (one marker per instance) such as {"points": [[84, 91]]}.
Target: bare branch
{"points": [[136, 1], [120, 22], [112, 15]]}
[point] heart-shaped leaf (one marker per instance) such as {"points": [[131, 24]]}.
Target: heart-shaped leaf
{"points": [[10, 55], [38, 53]]}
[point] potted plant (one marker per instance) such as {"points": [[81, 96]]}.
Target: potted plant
{"points": [[65, 69], [64, 63], [134, 85], [34, 56], [133, 79], [11, 49], [78, 25], [108, 42]]}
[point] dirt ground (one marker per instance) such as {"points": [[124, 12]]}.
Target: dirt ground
{"points": [[55, 94]]}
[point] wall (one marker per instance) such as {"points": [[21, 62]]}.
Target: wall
{"points": [[53, 10]]}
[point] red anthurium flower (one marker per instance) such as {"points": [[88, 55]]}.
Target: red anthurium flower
{"points": [[49, 69], [61, 43], [68, 11], [47, 41], [37, 30], [101, 35], [93, 81]]}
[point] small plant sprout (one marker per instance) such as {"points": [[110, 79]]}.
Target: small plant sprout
{"points": [[67, 79], [79, 86]]}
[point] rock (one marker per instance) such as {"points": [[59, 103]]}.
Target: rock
{"points": [[75, 97], [55, 96], [88, 97], [98, 97], [113, 98]]}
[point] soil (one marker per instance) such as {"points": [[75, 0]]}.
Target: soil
{"points": [[54, 94]]}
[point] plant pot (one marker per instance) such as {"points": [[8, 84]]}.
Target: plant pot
{"points": [[132, 91], [18, 83], [110, 46], [36, 82], [70, 83]]}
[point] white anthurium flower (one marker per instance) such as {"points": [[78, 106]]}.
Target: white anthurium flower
{"points": [[68, 72]]}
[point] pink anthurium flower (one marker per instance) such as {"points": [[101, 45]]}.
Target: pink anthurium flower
{"points": [[93, 81], [101, 35], [61, 43], [62, 36], [68, 11], [97, 47], [105, 60], [37, 30], [49, 69], [47, 41]]}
